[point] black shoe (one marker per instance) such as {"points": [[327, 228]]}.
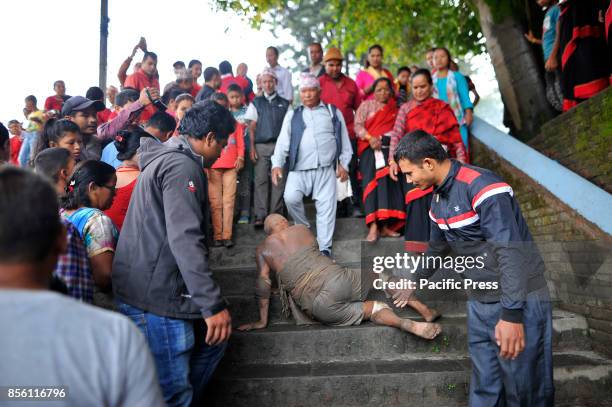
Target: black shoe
{"points": [[218, 243], [228, 243], [258, 223], [326, 253]]}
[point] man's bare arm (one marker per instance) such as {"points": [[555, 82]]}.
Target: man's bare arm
{"points": [[263, 289]]}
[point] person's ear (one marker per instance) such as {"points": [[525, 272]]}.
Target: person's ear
{"points": [[63, 175], [92, 187], [210, 138]]}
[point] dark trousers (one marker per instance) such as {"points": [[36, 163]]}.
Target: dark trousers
{"points": [[184, 362], [245, 186], [526, 381], [267, 197]]}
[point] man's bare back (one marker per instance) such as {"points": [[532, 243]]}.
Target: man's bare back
{"points": [[279, 247]]}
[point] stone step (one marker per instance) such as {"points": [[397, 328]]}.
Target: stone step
{"points": [[346, 228], [283, 342], [581, 379]]}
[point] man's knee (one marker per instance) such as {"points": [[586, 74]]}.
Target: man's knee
{"points": [[292, 197]]}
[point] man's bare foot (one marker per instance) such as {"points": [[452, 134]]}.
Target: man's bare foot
{"points": [[386, 232], [373, 233], [426, 330]]}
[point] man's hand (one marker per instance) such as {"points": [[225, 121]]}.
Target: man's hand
{"points": [[253, 154], [551, 64], [219, 328], [277, 175], [510, 338], [342, 173], [144, 98], [469, 117], [253, 325], [531, 38], [239, 164], [393, 170]]}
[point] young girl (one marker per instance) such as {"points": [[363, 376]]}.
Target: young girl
{"points": [[61, 133], [127, 144], [90, 191], [222, 182], [245, 177], [183, 103]]}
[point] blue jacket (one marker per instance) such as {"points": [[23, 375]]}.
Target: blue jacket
{"points": [[473, 212]]}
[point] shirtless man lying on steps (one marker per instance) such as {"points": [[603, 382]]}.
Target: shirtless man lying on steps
{"points": [[313, 287]]}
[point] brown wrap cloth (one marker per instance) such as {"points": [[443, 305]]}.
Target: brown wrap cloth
{"points": [[301, 280]]}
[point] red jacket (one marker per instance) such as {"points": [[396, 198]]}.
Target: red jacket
{"points": [[233, 149], [140, 80], [345, 97]]}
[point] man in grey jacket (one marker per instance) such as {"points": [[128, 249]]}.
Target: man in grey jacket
{"points": [[160, 272]]}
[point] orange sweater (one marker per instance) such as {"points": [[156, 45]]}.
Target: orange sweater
{"points": [[233, 149]]}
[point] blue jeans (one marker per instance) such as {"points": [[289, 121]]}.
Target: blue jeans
{"points": [[526, 381], [183, 360]]}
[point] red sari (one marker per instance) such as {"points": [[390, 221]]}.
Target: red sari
{"points": [[382, 197]]}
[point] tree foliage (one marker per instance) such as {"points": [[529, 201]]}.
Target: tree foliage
{"points": [[405, 28]]}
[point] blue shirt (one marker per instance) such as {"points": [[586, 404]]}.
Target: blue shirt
{"points": [[109, 155], [549, 30], [462, 90]]}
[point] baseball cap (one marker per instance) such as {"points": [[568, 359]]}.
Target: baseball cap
{"points": [[80, 103]]}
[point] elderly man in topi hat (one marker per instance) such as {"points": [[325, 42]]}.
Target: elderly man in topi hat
{"points": [[266, 114], [341, 91], [315, 141]]}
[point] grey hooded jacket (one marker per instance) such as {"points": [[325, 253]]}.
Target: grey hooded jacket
{"points": [[161, 261]]}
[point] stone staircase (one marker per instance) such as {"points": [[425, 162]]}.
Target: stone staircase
{"points": [[368, 365]]}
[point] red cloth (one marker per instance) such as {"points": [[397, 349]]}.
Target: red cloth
{"points": [[195, 89], [112, 115], [233, 149], [104, 116], [344, 95], [229, 79], [382, 122], [15, 145], [140, 80], [119, 208], [52, 103]]}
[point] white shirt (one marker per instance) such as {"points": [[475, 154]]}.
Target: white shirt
{"points": [[318, 144], [284, 87]]}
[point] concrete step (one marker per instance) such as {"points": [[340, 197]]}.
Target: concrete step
{"points": [[581, 379], [283, 342]]}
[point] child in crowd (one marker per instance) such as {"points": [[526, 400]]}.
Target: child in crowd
{"points": [[183, 103], [550, 47], [14, 127], [245, 177], [222, 178], [61, 133], [402, 85], [91, 190]]}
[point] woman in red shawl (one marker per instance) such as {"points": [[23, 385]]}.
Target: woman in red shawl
{"points": [[382, 197], [423, 112]]}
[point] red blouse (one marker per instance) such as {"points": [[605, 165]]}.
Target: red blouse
{"points": [[121, 202]]}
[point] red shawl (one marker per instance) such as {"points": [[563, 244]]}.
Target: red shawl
{"points": [[436, 118], [380, 123]]}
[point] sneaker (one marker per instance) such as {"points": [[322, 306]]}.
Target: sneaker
{"points": [[244, 220], [228, 243]]}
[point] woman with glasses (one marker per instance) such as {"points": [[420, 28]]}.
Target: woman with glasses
{"points": [[89, 192]]}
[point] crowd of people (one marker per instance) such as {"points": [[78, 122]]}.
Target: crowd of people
{"points": [[127, 199]]}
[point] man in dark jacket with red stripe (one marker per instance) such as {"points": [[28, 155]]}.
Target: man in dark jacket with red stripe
{"points": [[473, 213]]}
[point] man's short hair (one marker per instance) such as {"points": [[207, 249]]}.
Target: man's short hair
{"points": [[194, 62], [51, 161], [149, 54], [14, 121], [209, 73], [95, 93], [205, 117], [57, 83], [162, 121], [418, 145], [29, 216], [219, 97], [274, 49], [403, 69], [225, 67], [178, 64], [316, 44], [125, 96]]}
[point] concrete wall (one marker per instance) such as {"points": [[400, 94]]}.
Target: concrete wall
{"points": [[581, 140], [577, 253]]}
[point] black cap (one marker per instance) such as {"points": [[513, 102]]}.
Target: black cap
{"points": [[79, 103]]}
